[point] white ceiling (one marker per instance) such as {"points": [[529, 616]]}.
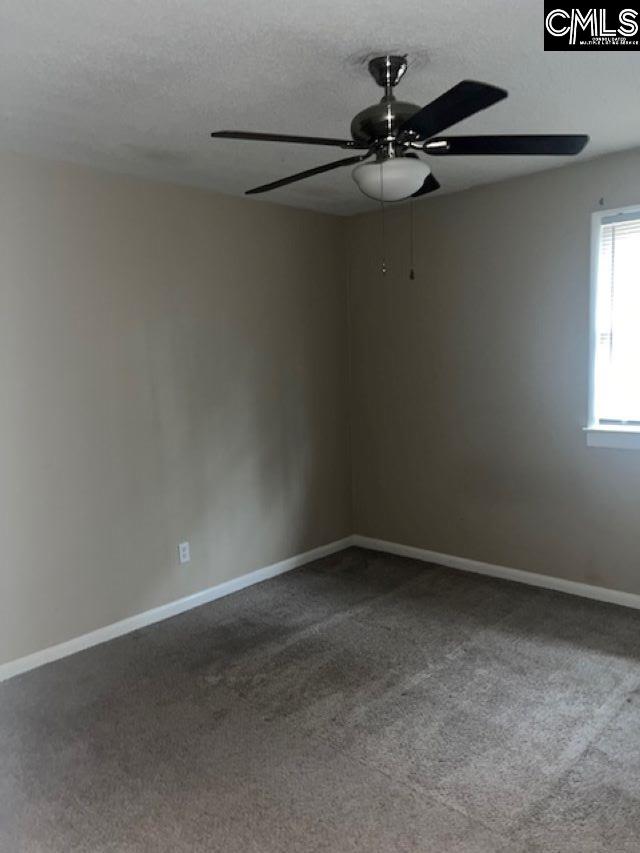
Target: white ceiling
{"points": [[136, 86]]}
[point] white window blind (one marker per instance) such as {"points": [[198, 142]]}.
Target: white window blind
{"points": [[616, 391]]}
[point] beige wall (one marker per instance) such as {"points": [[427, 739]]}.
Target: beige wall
{"points": [[174, 365], [171, 367], [470, 383]]}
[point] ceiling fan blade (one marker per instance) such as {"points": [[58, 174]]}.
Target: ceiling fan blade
{"points": [[430, 184], [465, 99], [549, 144], [281, 137], [335, 164]]}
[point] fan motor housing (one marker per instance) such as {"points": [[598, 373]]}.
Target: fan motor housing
{"points": [[381, 121]]}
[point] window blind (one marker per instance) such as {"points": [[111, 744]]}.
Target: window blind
{"points": [[617, 364]]}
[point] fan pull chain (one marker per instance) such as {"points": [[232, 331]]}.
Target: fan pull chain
{"points": [[412, 273], [384, 242]]}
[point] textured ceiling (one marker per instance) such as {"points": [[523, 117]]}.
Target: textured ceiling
{"points": [[135, 86]]}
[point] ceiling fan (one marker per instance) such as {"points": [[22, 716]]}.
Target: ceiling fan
{"points": [[391, 131]]}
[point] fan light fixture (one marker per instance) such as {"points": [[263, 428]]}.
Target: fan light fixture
{"points": [[392, 179], [394, 135]]}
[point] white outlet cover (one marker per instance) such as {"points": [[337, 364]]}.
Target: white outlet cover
{"points": [[184, 552]]}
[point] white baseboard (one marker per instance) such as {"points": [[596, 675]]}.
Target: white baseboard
{"points": [[173, 608], [599, 593]]}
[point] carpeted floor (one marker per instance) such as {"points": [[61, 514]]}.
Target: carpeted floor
{"points": [[362, 703]]}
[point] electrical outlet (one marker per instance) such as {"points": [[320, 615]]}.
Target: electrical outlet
{"points": [[184, 552]]}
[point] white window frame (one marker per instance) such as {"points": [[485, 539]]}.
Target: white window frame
{"points": [[616, 436]]}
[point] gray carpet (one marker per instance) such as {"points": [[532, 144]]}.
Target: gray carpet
{"points": [[362, 703]]}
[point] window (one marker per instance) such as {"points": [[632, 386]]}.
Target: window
{"points": [[614, 418]]}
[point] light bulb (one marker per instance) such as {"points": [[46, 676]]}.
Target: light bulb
{"points": [[391, 180]]}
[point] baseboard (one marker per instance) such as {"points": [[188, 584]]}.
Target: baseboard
{"points": [[165, 611], [599, 593], [173, 608]]}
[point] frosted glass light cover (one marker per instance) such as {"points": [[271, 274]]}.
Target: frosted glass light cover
{"points": [[391, 180]]}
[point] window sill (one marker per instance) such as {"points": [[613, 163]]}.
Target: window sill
{"points": [[618, 437]]}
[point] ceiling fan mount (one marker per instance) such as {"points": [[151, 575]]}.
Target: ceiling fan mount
{"points": [[388, 70], [390, 132], [379, 123]]}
